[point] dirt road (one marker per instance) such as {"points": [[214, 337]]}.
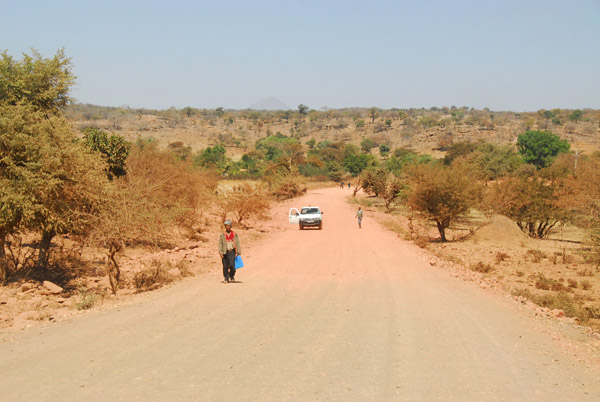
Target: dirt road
{"points": [[341, 314]]}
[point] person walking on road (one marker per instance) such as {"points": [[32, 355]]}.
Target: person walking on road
{"points": [[359, 215], [229, 248]]}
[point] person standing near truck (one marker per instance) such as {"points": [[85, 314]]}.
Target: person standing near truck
{"points": [[229, 248], [359, 215]]}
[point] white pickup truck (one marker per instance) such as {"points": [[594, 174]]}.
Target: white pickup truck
{"points": [[307, 217]]}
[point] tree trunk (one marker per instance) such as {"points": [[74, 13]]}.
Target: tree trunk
{"points": [[114, 272], [442, 230], [42, 261], [2, 243], [3, 262]]}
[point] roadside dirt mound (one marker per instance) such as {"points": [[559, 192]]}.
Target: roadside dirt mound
{"points": [[500, 230]]}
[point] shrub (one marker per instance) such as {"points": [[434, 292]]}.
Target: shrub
{"points": [[153, 275], [536, 255], [481, 267], [441, 193], [545, 283], [531, 202], [539, 148], [501, 256], [245, 202]]}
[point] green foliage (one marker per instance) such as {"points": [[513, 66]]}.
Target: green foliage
{"points": [[114, 149], [303, 109], [51, 183], [539, 148], [43, 83], [212, 157], [491, 161], [356, 163], [576, 115], [367, 144], [311, 143], [403, 157], [384, 150], [360, 123]]}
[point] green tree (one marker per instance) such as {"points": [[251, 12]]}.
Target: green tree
{"points": [[114, 149], [302, 109], [356, 163], [539, 148], [576, 115]]}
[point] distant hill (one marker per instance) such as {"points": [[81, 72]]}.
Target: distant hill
{"points": [[269, 103]]}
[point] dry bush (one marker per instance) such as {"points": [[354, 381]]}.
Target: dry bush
{"points": [[418, 234], [18, 261], [245, 202], [545, 283], [585, 272], [153, 276], [158, 194], [536, 255], [572, 283], [501, 256], [481, 267], [586, 285], [287, 187]]}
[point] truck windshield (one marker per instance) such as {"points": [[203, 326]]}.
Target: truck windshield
{"points": [[309, 211]]}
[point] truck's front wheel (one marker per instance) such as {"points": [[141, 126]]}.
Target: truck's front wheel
{"points": [[301, 227]]}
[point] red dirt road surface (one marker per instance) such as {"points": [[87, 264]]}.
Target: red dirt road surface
{"points": [[339, 314]]}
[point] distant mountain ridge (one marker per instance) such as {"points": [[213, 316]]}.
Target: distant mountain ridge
{"points": [[269, 103]]}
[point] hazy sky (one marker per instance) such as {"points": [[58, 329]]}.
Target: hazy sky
{"points": [[519, 55]]}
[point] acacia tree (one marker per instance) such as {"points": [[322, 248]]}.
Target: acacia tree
{"points": [[532, 202], [441, 193], [50, 182]]}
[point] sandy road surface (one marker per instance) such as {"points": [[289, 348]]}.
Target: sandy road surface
{"points": [[340, 314]]}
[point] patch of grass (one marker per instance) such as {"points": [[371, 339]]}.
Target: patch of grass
{"points": [[520, 273], [559, 300], [545, 283], [482, 267], [586, 285], [572, 283], [586, 272]]}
